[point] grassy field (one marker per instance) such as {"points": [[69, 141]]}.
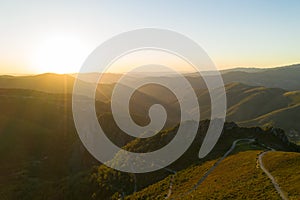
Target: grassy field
{"points": [[285, 167], [237, 177]]}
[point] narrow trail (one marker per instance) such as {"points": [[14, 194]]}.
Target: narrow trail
{"points": [[220, 160], [216, 164], [201, 180], [171, 182], [276, 185]]}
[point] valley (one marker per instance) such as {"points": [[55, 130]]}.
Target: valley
{"points": [[42, 153]]}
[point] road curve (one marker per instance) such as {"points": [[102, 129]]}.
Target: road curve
{"points": [[216, 164], [220, 160], [276, 185]]}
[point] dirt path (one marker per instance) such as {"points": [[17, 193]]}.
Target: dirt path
{"points": [[276, 185], [216, 164], [171, 182], [220, 160]]}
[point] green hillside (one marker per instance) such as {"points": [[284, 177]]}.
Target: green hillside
{"points": [[237, 177], [243, 101], [190, 162], [285, 168], [286, 118]]}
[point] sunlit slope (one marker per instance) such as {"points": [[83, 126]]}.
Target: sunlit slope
{"points": [[260, 106], [286, 118], [248, 102], [53, 83], [237, 177], [285, 167], [294, 96], [190, 159], [257, 106]]}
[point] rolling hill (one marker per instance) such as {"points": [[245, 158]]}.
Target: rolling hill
{"points": [[257, 106], [286, 77], [247, 105], [42, 156], [248, 182], [150, 186], [285, 118], [41, 152]]}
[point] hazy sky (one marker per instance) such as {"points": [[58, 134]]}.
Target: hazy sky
{"points": [[56, 36]]}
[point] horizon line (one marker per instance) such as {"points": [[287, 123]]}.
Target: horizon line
{"points": [[185, 72]]}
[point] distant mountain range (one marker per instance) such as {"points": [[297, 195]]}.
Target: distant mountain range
{"points": [[282, 77], [262, 97], [286, 77]]}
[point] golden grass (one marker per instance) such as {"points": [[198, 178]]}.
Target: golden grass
{"points": [[237, 177], [285, 167]]}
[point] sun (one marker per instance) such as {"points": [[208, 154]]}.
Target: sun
{"points": [[59, 54]]}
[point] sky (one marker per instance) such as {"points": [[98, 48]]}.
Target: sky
{"points": [[57, 36]]}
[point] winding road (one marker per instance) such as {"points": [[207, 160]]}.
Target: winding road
{"points": [[261, 164], [220, 160], [276, 185], [216, 164]]}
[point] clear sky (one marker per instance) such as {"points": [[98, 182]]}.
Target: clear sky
{"points": [[56, 36]]}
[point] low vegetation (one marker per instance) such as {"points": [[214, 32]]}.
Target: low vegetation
{"points": [[285, 167], [237, 177]]}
